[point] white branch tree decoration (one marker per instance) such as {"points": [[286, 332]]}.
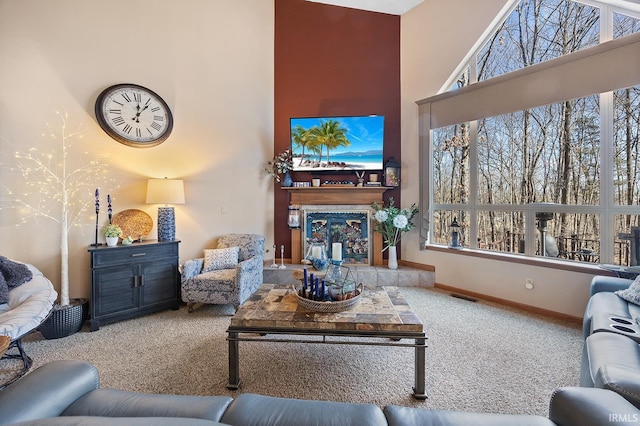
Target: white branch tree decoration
{"points": [[59, 190]]}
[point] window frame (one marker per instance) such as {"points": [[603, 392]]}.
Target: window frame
{"points": [[606, 207]]}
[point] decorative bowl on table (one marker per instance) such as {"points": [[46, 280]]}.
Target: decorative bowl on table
{"points": [[351, 300]]}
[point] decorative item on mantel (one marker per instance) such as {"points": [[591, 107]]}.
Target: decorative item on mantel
{"points": [[392, 223], [392, 173], [281, 164]]}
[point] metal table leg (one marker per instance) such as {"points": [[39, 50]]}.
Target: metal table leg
{"points": [[234, 362], [419, 389]]}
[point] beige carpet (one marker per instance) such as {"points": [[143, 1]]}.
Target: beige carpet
{"points": [[480, 357]]}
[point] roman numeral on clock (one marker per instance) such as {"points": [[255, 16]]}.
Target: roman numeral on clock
{"points": [[156, 126], [118, 121], [127, 128]]}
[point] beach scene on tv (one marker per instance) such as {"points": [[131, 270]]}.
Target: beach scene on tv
{"points": [[337, 143]]}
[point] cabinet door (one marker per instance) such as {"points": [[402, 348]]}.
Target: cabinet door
{"points": [[159, 282], [115, 290]]}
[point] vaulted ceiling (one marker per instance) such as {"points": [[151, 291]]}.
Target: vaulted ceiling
{"points": [[398, 7]]}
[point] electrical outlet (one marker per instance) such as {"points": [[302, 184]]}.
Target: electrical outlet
{"points": [[528, 283]]}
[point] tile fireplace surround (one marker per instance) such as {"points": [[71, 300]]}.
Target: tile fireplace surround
{"points": [[336, 199]]}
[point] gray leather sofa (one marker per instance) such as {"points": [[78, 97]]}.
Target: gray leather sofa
{"points": [[611, 355], [69, 393]]}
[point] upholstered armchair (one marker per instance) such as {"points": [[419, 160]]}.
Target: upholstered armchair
{"points": [[228, 274]]}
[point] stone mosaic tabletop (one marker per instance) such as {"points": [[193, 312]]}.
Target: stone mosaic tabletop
{"points": [[276, 306]]}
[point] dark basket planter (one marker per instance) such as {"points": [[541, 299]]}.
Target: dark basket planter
{"points": [[65, 320]]}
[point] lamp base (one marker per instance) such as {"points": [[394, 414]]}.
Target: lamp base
{"points": [[166, 224]]}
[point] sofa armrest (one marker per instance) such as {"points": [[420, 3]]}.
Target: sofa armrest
{"points": [[621, 379], [47, 391], [604, 283], [117, 403], [589, 407], [192, 268]]}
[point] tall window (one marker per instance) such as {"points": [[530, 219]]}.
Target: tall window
{"points": [[531, 181]]}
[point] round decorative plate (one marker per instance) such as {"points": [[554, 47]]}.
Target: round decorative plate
{"points": [[134, 223]]}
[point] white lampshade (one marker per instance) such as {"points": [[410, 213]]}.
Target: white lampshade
{"points": [[165, 191]]}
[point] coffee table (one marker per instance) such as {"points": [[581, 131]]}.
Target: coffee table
{"points": [[383, 318]]}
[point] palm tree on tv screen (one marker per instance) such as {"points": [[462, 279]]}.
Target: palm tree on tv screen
{"points": [[331, 134], [301, 138]]}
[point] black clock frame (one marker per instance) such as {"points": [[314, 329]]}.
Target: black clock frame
{"points": [[103, 121]]}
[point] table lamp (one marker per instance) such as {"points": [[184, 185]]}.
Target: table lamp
{"points": [[165, 191]]}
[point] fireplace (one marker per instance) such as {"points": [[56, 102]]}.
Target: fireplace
{"points": [[349, 228], [340, 202]]}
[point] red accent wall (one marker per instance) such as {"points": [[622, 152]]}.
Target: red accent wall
{"points": [[333, 61]]}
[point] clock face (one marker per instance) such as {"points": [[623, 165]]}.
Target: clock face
{"points": [[134, 115]]}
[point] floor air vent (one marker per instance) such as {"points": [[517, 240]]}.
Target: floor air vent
{"points": [[460, 296]]}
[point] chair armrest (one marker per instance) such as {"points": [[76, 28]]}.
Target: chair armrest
{"points": [[248, 267], [47, 391], [249, 276], [192, 268], [601, 283], [590, 406]]}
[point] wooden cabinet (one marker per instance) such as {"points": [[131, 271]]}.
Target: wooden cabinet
{"points": [[129, 281]]}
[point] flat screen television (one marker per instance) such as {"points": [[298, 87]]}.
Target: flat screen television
{"points": [[337, 143]]}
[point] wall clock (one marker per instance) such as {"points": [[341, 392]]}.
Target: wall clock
{"points": [[134, 115]]}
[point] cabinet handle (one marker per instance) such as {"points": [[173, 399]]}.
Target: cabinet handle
{"points": [[138, 254], [141, 280]]}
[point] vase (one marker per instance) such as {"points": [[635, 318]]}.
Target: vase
{"points": [[393, 258], [286, 180], [112, 241]]}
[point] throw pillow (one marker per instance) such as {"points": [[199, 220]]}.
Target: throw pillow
{"points": [[632, 293], [224, 258], [14, 273], [4, 291]]}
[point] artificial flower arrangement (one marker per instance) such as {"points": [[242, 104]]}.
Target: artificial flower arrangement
{"points": [[281, 164], [392, 222], [112, 231]]}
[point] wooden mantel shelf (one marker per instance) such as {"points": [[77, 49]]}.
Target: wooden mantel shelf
{"points": [[336, 195]]}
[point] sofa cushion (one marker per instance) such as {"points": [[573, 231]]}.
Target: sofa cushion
{"points": [[632, 293], [252, 409], [221, 258], [406, 416]]}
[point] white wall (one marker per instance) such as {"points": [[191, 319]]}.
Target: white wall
{"points": [[435, 37], [212, 61]]}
